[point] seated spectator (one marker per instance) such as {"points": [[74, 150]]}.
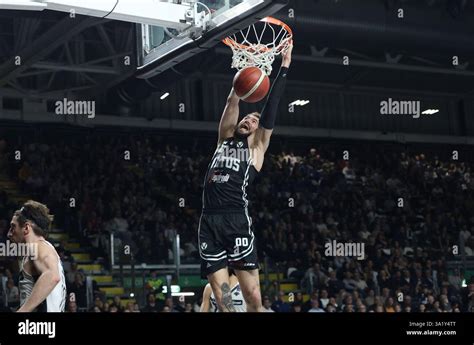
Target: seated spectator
{"points": [[279, 305], [99, 304], [296, 307], [349, 282], [117, 303], [189, 308], [379, 309], [315, 307], [13, 293], [390, 305], [307, 304], [267, 305], [334, 284], [314, 278], [170, 304], [79, 289], [106, 307], [71, 273], [349, 308], [359, 283], [455, 279], [130, 308], [151, 306], [370, 299], [324, 300], [72, 307]]}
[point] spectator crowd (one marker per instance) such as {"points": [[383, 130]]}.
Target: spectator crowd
{"points": [[412, 208]]}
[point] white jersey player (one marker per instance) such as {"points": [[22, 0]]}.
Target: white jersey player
{"points": [[42, 284], [209, 303]]}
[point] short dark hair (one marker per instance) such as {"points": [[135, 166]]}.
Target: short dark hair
{"points": [[38, 214], [255, 113]]}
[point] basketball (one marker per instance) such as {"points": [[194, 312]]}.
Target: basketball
{"points": [[251, 84]]}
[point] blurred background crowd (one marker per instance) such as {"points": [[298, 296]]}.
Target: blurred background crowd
{"points": [[412, 207]]}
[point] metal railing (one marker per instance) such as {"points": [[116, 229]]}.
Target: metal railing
{"points": [[127, 265], [89, 292], [3, 283], [117, 262]]}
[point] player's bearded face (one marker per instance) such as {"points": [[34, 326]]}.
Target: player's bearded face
{"points": [[246, 127]]}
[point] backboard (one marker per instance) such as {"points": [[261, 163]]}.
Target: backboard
{"points": [[160, 48]]}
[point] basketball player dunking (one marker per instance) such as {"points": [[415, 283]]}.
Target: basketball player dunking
{"points": [[42, 285], [225, 231]]}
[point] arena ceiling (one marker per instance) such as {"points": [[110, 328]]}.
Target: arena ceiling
{"points": [[85, 56]]}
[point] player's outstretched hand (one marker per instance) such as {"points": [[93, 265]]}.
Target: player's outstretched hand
{"points": [[286, 55]]}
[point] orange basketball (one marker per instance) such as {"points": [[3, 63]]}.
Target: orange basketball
{"points": [[251, 84]]}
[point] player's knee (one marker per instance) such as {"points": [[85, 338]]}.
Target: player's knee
{"points": [[253, 297]]}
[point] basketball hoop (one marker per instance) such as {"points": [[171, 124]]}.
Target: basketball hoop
{"points": [[249, 48]]}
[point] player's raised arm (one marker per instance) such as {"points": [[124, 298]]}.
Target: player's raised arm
{"points": [[47, 265], [230, 116], [269, 112]]}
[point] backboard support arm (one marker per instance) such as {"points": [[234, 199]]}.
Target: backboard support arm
{"points": [[179, 16]]}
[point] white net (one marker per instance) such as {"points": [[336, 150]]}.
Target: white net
{"points": [[249, 47]]}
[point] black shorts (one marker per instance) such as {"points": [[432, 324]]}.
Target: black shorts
{"points": [[226, 240]]}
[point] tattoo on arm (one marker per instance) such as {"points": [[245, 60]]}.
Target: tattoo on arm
{"points": [[227, 297]]}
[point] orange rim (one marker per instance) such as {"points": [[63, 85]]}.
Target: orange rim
{"points": [[232, 43]]}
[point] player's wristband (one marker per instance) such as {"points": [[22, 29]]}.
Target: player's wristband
{"points": [[268, 116]]}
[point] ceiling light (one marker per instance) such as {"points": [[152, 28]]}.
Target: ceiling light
{"points": [[299, 102], [430, 111]]}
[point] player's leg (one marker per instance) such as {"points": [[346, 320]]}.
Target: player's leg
{"points": [[214, 260], [220, 286], [250, 285], [243, 259]]}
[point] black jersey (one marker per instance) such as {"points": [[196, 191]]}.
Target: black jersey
{"points": [[230, 172]]}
